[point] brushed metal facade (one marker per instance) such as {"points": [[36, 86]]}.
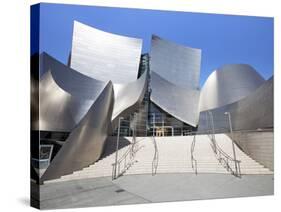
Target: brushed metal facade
{"points": [[178, 64], [65, 95], [182, 103], [175, 72], [89, 119], [72, 81], [228, 84], [54, 109], [105, 56], [128, 97], [250, 113], [256, 110], [85, 143]]}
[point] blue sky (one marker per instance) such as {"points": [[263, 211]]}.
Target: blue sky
{"points": [[223, 39]]}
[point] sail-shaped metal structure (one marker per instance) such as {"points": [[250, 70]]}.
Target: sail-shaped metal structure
{"points": [[102, 55], [175, 71], [85, 102]]}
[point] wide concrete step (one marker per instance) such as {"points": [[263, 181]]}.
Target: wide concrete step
{"points": [[167, 168], [148, 171], [181, 163], [174, 169]]}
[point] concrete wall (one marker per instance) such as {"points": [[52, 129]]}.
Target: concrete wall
{"points": [[259, 145]]}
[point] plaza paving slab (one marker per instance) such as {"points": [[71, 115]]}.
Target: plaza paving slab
{"points": [[135, 189]]}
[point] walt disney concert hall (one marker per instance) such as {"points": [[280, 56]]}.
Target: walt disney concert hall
{"points": [[110, 99]]}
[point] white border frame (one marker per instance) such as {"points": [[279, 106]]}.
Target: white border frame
{"points": [[15, 101]]}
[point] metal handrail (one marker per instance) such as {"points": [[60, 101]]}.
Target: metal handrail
{"points": [[222, 156], [193, 160], [226, 159], [125, 161], [155, 157]]}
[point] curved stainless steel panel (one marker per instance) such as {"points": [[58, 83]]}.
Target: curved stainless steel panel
{"points": [[85, 143], [229, 84], [178, 64], [182, 103], [70, 80], [34, 103], [256, 110], [65, 95], [105, 56], [54, 110], [175, 71], [250, 113], [128, 97]]}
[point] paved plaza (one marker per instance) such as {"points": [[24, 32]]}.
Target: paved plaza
{"points": [[135, 189]]}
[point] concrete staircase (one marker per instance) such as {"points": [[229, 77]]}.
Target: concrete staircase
{"points": [[205, 159], [174, 157]]}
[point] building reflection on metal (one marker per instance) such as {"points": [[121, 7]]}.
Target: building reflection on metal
{"points": [[228, 84]]}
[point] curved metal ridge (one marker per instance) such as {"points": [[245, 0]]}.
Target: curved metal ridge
{"points": [[250, 113], [105, 56], [256, 110], [229, 84], [61, 106], [85, 143], [179, 102], [175, 63], [54, 108], [128, 97], [57, 114], [70, 80], [65, 95]]}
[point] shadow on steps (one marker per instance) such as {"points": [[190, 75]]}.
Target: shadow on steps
{"points": [[110, 145]]}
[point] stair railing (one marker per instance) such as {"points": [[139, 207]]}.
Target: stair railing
{"points": [[124, 163], [226, 160], [193, 160], [127, 159], [155, 157]]}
